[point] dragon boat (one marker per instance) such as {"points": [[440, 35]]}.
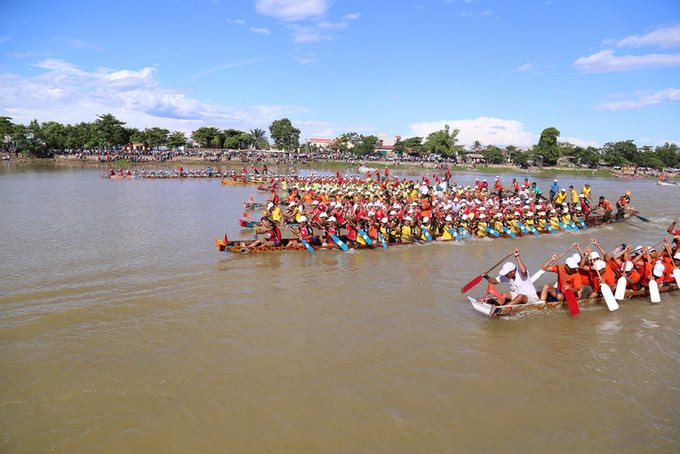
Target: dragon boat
{"points": [[237, 247], [485, 304]]}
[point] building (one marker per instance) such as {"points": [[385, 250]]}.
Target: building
{"points": [[319, 144]]}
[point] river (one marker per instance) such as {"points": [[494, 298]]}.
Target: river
{"points": [[123, 329]]}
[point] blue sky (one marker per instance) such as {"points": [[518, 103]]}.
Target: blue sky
{"points": [[500, 71]]}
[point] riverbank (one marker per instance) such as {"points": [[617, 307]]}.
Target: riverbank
{"points": [[196, 161]]}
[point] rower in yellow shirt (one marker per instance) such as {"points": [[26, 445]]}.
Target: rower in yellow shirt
{"points": [[560, 197]]}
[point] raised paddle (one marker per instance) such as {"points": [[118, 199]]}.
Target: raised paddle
{"points": [[606, 291], [540, 272], [478, 279], [654, 296]]}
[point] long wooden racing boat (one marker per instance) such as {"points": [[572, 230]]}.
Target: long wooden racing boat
{"points": [[237, 247], [485, 306]]}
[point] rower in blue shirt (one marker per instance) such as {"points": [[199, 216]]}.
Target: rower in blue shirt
{"points": [[554, 189]]}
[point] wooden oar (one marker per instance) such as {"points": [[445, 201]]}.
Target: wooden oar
{"points": [[641, 218], [606, 291], [464, 232], [366, 238], [340, 243], [427, 234], [457, 236], [305, 244], [654, 296], [382, 239], [676, 275], [478, 279], [568, 294], [492, 232], [540, 272], [509, 232]]}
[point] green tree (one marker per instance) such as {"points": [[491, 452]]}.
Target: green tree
{"points": [[259, 138], [547, 147], [669, 154], [493, 155], [155, 137], [346, 142], [415, 144], [366, 146], [284, 135], [205, 135], [176, 139], [587, 156], [442, 142], [110, 131], [621, 153], [54, 135]]}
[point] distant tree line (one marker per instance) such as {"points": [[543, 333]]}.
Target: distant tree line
{"points": [[40, 139]]}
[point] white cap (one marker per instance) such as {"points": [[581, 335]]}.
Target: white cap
{"points": [[676, 256], [658, 269], [392, 213], [408, 218], [332, 219], [448, 219], [577, 257], [383, 220], [291, 204], [323, 215], [572, 263], [627, 266], [482, 216], [507, 267], [594, 255], [599, 265], [270, 206], [637, 250], [426, 219], [302, 219], [315, 202]]}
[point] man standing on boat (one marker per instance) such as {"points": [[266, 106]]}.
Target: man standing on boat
{"points": [[554, 189], [621, 205], [522, 290]]}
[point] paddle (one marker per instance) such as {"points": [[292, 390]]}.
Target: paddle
{"points": [[641, 218], [464, 232], [340, 243], [568, 294], [509, 232], [654, 296], [382, 240], [540, 272], [478, 279], [366, 238], [676, 275], [427, 234], [521, 226], [299, 236], [455, 234], [492, 232], [606, 291]]}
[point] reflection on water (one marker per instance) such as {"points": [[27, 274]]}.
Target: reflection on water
{"points": [[123, 329]]}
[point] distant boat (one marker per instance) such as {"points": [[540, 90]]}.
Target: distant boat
{"points": [[667, 183], [626, 175], [364, 169]]}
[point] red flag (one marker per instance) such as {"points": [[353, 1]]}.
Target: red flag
{"points": [[491, 290], [245, 214]]}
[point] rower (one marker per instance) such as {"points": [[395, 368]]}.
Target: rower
{"points": [[522, 291], [554, 189], [621, 204], [569, 273], [607, 208]]}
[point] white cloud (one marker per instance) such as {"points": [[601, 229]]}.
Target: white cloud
{"points": [[580, 142], [663, 37], [292, 10], [309, 34], [642, 99], [84, 45], [236, 21], [352, 16], [69, 94], [226, 66], [606, 61], [261, 31], [525, 67], [330, 130], [487, 130]]}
